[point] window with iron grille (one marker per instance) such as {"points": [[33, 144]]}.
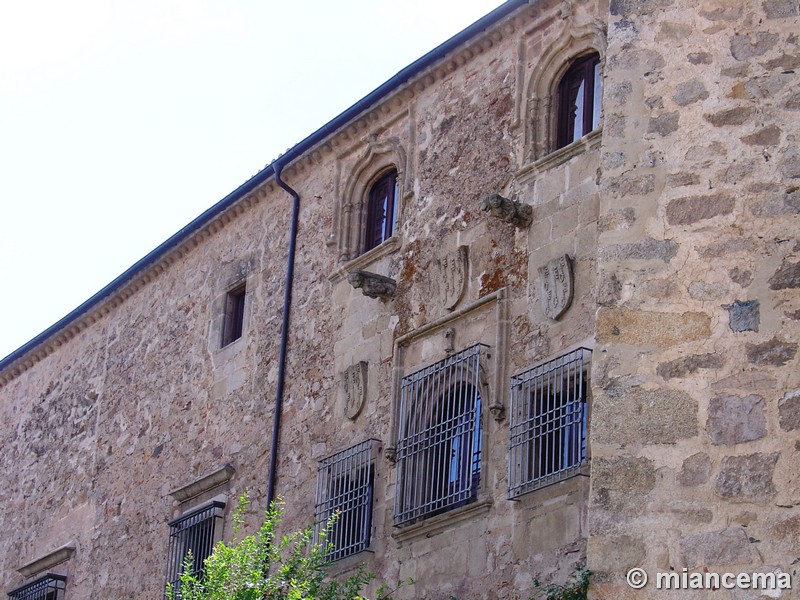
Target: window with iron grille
{"points": [[344, 493], [195, 532], [439, 437], [47, 587], [381, 206], [548, 417]]}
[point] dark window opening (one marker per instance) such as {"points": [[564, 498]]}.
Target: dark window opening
{"points": [[195, 532], [47, 587], [548, 422], [580, 93], [345, 483], [234, 315], [381, 207]]}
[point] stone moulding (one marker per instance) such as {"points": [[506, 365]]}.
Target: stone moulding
{"points": [[433, 525], [56, 557], [498, 390], [203, 484]]}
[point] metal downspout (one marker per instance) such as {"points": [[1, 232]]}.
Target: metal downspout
{"points": [[287, 304]]}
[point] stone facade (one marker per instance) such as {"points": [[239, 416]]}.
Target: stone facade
{"points": [[675, 226]]}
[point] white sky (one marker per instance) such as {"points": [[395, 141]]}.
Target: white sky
{"points": [[122, 120]]}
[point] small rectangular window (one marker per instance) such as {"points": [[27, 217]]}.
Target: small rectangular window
{"points": [[234, 315], [548, 417], [345, 483], [439, 437], [47, 587], [197, 532]]}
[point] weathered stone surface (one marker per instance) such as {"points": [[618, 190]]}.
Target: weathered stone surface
{"points": [[768, 136], [686, 365], [725, 547], [728, 247], [687, 512], [741, 276], [628, 8], [645, 249], [792, 102], [691, 209], [626, 326], [609, 289], [786, 534], [703, 290], [789, 411], [747, 478], [731, 116], [700, 58], [617, 554], [689, 92], [646, 417], [664, 124], [750, 381], [638, 185], [786, 277], [774, 353], [696, 470], [780, 9], [743, 316], [778, 201], [790, 163], [682, 179], [622, 482], [734, 420], [744, 46], [617, 219]]}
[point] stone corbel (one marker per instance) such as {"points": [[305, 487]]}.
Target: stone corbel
{"points": [[372, 285], [511, 211]]}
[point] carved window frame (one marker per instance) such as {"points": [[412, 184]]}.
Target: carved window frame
{"points": [[350, 213], [542, 108]]}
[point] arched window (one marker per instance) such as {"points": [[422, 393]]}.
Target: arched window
{"points": [[579, 96], [439, 445], [381, 206]]}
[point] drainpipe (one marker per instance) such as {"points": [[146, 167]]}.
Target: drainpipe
{"points": [[287, 304]]}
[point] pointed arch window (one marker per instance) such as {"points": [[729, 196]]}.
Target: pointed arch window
{"points": [[579, 97], [381, 207]]}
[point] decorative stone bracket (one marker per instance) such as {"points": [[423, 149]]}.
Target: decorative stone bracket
{"points": [[372, 285], [511, 211]]}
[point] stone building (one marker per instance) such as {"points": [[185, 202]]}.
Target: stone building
{"points": [[543, 311]]}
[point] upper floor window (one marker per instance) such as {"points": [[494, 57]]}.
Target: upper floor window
{"points": [[381, 206], [345, 483], [47, 587], [579, 96], [439, 439], [233, 322], [548, 419], [195, 532]]}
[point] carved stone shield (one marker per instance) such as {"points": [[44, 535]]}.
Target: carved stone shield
{"points": [[354, 384], [555, 286], [449, 276]]}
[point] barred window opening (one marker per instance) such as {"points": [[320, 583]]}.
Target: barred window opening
{"points": [[439, 442], [548, 419], [47, 587], [345, 483], [196, 532]]}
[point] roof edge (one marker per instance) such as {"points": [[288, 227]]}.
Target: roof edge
{"points": [[293, 153]]}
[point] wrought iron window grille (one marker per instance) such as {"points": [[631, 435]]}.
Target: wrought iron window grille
{"points": [[547, 422], [345, 484], [48, 587], [194, 532], [439, 440]]}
